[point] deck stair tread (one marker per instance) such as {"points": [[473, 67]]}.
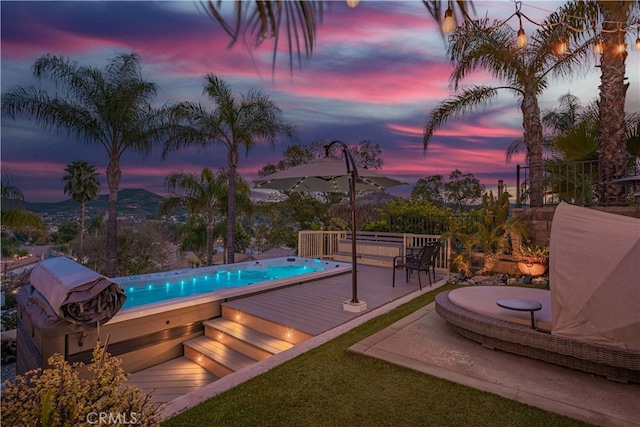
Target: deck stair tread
{"points": [[171, 379], [248, 335], [220, 353]]}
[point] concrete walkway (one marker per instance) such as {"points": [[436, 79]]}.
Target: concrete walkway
{"points": [[424, 342]]}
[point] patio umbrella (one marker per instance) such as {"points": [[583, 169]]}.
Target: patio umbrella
{"points": [[332, 176], [327, 175]]}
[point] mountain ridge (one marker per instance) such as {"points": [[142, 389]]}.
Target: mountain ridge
{"points": [[131, 201]]}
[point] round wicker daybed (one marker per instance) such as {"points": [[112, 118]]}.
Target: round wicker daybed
{"points": [[614, 363], [591, 312]]}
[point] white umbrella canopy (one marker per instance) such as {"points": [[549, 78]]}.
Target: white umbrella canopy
{"points": [[332, 175], [327, 175]]}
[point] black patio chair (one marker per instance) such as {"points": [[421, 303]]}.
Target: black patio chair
{"points": [[424, 260]]}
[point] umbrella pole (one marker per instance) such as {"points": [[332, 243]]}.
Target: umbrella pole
{"points": [[354, 256], [354, 305]]}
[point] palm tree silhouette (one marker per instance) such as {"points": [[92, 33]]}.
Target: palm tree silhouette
{"points": [[613, 18], [207, 196], [479, 45], [81, 183], [233, 123], [109, 107]]}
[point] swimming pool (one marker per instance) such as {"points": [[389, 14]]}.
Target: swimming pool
{"points": [[224, 280], [163, 310]]}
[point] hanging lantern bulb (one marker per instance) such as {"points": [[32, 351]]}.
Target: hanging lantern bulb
{"points": [[597, 46], [448, 24], [622, 46], [352, 3], [522, 38], [562, 47], [638, 43]]}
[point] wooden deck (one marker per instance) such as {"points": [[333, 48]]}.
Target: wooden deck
{"points": [[316, 307], [171, 379], [313, 308]]}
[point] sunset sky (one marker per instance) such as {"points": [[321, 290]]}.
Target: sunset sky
{"points": [[375, 74]]}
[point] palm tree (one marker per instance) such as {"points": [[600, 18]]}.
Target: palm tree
{"points": [[614, 17], [81, 183], [110, 108], [612, 159], [206, 196], [567, 122], [573, 133], [234, 124], [478, 46]]}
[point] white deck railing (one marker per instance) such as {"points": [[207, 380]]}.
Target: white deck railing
{"points": [[324, 244], [319, 244]]}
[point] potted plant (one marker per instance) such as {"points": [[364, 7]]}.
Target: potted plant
{"points": [[532, 260]]}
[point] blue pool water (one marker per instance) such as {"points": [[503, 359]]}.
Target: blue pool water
{"points": [[159, 287]]}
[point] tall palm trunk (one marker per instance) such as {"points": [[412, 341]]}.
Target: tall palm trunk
{"points": [[209, 243], [612, 153], [81, 237], [533, 140], [113, 181], [231, 207]]}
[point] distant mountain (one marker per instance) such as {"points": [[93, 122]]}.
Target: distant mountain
{"points": [[130, 202]]}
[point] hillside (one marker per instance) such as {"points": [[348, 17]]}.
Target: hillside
{"points": [[130, 202]]}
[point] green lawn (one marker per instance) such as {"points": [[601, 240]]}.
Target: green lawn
{"points": [[329, 386]]}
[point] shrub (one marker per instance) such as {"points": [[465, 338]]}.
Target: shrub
{"points": [[62, 396]]}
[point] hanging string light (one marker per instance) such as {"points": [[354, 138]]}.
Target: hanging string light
{"points": [[352, 3], [562, 46], [621, 47], [522, 37], [597, 46], [448, 24]]}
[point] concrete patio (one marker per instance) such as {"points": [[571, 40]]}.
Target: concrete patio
{"points": [[423, 341]]}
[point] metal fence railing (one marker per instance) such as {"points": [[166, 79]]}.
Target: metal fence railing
{"points": [[432, 224], [574, 182]]}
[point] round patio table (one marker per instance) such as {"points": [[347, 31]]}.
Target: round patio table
{"points": [[520, 304]]}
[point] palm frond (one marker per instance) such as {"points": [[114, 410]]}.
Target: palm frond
{"points": [[262, 20], [21, 220], [456, 106], [479, 45]]}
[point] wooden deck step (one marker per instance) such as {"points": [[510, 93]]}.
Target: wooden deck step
{"points": [[254, 344], [216, 357], [233, 310], [171, 379]]}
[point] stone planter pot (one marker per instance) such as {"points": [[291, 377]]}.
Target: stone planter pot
{"points": [[532, 269]]}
